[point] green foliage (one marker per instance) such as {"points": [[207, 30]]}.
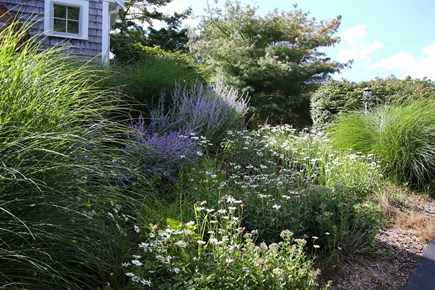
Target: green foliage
{"points": [[274, 57], [128, 31], [290, 181], [337, 97], [214, 253], [208, 111], [152, 73], [402, 136], [310, 154], [294, 181], [59, 161]]}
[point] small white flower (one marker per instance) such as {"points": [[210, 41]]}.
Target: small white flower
{"points": [[136, 229], [145, 282], [276, 206], [143, 245], [229, 260], [125, 264], [181, 244], [136, 263], [199, 153], [316, 246], [213, 241], [164, 235], [129, 274]]}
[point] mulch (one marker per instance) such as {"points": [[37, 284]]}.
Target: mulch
{"points": [[398, 250]]}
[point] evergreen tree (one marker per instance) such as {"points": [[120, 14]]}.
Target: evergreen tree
{"points": [[135, 26], [276, 57]]}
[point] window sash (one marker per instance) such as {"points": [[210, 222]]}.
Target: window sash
{"points": [[67, 18]]}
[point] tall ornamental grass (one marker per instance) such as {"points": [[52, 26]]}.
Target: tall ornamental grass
{"points": [[58, 167], [402, 136], [154, 71]]}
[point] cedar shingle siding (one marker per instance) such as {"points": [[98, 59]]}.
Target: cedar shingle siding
{"points": [[33, 10]]}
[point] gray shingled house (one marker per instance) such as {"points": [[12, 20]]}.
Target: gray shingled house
{"points": [[81, 26]]}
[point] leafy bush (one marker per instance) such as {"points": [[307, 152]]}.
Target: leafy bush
{"points": [[402, 136], [274, 57], [279, 177], [214, 253], [279, 184], [310, 154], [57, 171], [338, 97], [152, 73]]}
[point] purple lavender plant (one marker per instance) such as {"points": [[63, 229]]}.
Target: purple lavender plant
{"points": [[173, 136], [162, 153], [207, 111]]}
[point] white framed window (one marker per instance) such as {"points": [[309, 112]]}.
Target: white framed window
{"points": [[66, 18]]}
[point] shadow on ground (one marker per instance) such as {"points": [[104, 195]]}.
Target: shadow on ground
{"points": [[389, 268]]}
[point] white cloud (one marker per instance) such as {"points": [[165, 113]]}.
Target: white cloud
{"points": [[408, 64], [354, 45], [173, 7]]}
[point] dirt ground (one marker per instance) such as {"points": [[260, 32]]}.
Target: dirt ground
{"points": [[398, 247]]}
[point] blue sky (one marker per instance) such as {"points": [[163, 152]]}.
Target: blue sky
{"points": [[383, 37]]}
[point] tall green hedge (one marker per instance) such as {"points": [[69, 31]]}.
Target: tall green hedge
{"points": [[338, 97]]}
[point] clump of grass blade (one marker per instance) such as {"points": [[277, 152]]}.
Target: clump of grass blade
{"points": [[402, 136], [59, 161]]}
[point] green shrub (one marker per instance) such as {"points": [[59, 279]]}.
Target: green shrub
{"points": [[213, 252], [338, 97], [283, 179], [154, 72], [402, 137], [59, 163]]}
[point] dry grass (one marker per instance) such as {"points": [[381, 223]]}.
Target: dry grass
{"points": [[409, 211], [411, 224]]}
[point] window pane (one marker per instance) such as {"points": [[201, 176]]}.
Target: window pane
{"points": [[66, 18], [59, 11], [59, 25], [73, 13], [73, 27]]}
